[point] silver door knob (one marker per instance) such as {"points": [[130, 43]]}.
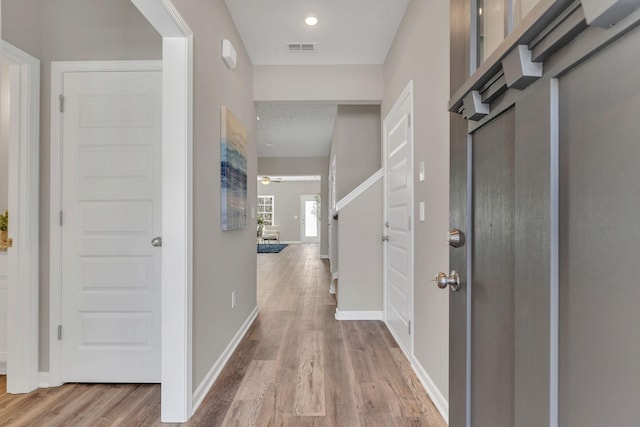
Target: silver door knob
{"points": [[156, 242], [453, 280], [455, 238]]}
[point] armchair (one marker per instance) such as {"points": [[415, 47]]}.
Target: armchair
{"points": [[271, 232]]}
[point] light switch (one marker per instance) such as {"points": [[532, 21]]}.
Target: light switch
{"points": [[421, 171], [422, 207]]}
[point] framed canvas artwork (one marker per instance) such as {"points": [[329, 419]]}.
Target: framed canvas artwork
{"points": [[233, 163]]}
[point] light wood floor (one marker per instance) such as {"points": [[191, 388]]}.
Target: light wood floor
{"points": [[297, 366]]}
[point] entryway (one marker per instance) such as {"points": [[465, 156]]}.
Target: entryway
{"points": [[310, 219]]}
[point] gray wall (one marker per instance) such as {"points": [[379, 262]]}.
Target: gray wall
{"points": [[64, 30], [356, 144], [223, 261], [420, 53], [360, 252], [287, 205], [304, 166]]}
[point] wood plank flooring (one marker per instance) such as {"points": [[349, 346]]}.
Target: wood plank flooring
{"points": [[297, 366]]}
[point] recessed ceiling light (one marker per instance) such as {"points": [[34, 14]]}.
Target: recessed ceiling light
{"points": [[311, 21]]}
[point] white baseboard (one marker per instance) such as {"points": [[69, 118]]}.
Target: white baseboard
{"points": [[206, 384], [43, 380], [358, 315], [3, 368], [324, 256], [433, 391]]}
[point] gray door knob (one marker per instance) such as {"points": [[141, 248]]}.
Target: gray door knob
{"points": [[156, 242], [453, 280]]}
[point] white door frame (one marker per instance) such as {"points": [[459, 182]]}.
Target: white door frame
{"points": [[23, 257], [303, 216], [406, 93], [177, 207]]}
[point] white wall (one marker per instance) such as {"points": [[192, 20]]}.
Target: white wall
{"points": [[420, 53], [3, 312], [70, 30], [4, 136], [331, 83], [287, 205]]}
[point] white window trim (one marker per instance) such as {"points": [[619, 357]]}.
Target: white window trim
{"points": [[273, 207]]}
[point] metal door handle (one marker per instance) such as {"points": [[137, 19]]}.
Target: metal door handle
{"points": [[455, 238], [385, 238], [156, 242], [453, 280]]}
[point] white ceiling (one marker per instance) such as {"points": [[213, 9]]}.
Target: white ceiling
{"points": [[295, 130], [348, 31]]}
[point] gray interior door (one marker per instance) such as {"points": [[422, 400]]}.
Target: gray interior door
{"points": [[492, 273], [600, 239], [545, 185]]}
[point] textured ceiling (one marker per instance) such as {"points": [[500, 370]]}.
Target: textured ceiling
{"points": [[295, 130], [348, 31]]}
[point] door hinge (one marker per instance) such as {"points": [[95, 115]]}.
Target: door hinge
{"points": [[409, 223], [61, 99], [60, 219], [409, 119], [409, 327], [59, 332]]}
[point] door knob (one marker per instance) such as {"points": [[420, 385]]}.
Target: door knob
{"points": [[453, 280], [455, 238], [156, 242]]}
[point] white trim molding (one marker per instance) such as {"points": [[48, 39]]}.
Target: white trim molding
{"points": [[205, 385], [23, 258], [439, 400], [358, 315], [323, 256], [44, 380], [177, 207]]}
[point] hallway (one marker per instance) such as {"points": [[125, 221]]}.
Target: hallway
{"points": [[297, 366]]}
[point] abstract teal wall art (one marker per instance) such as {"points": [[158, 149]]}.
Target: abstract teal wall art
{"points": [[233, 163]]}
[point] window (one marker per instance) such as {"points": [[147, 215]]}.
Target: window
{"points": [[496, 19], [266, 209]]}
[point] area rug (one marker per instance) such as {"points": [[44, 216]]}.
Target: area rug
{"points": [[271, 248]]}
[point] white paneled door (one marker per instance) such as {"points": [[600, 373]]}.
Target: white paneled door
{"points": [[398, 209], [111, 210]]}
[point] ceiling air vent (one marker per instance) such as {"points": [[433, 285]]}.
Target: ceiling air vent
{"points": [[302, 47]]}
